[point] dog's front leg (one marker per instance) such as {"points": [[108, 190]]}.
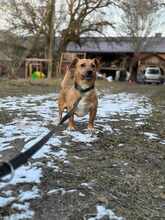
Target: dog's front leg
{"points": [[60, 115], [92, 115], [71, 125]]}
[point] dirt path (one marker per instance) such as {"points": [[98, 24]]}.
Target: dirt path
{"points": [[115, 173]]}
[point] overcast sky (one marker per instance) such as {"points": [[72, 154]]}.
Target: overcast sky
{"points": [[114, 16]]}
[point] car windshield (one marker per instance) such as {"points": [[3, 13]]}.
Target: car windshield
{"points": [[153, 71]]}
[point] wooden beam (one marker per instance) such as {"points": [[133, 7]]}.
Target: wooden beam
{"points": [[26, 70], [36, 60], [30, 71], [60, 64]]}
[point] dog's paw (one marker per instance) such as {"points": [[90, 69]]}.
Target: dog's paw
{"points": [[71, 128], [91, 129]]}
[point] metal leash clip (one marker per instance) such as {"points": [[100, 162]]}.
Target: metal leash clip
{"points": [[12, 172]]}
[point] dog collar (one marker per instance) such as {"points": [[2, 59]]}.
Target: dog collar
{"points": [[81, 90]]}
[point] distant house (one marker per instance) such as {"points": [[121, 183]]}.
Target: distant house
{"points": [[116, 45], [115, 53]]}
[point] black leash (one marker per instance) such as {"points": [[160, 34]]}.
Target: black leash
{"points": [[9, 167]]}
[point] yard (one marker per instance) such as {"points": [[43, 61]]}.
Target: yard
{"points": [[116, 173]]}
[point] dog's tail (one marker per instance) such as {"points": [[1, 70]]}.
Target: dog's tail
{"points": [[67, 77]]}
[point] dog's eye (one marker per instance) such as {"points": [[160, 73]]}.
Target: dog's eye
{"points": [[93, 65], [83, 65]]}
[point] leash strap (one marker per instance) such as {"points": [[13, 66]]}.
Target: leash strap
{"points": [[22, 158], [71, 112], [9, 167]]}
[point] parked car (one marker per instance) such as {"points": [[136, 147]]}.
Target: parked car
{"points": [[153, 75]]}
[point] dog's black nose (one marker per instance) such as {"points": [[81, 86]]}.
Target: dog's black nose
{"points": [[89, 73]]}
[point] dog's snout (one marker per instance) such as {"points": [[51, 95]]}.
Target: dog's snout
{"points": [[89, 73]]}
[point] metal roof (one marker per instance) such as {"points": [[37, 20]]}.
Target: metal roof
{"points": [[117, 45]]}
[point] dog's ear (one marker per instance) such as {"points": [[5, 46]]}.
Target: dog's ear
{"points": [[72, 67], [97, 62], [74, 62]]}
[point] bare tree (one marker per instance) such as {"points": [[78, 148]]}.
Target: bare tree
{"points": [[84, 18], [12, 51], [138, 22], [24, 20], [72, 19]]}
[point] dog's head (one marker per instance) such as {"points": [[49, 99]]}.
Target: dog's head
{"points": [[85, 71]]}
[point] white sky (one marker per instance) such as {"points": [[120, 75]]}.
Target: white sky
{"points": [[114, 16]]}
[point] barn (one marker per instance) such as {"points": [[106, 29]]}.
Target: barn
{"points": [[116, 53]]}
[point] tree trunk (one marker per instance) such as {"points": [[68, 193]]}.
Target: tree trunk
{"points": [[12, 73], [51, 8], [132, 66], [61, 49]]}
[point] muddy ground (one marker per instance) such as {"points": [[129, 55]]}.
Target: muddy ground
{"points": [[116, 173]]}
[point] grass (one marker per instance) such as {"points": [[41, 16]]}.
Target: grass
{"points": [[24, 87]]}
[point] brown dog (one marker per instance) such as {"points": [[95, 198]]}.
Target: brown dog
{"points": [[84, 86]]}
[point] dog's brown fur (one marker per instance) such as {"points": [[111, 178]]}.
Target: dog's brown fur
{"points": [[69, 95]]}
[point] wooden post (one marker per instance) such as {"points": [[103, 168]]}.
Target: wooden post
{"points": [[30, 71], [60, 64], [26, 69]]}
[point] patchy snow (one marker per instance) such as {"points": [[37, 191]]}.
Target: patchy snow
{"points": [[46, 150], [109, 78], [34, 141], [25, 174], [102, 212], [50, 164], [151, 136], [105, 127], [54, 191], [39, 104], [139, 123], [27, 195], [61, 190], [60, 154], [31, 117], [6, 201], [81, 137], [162, 142], [26, 212], [89, 185], [19, 206], [122, 104], [81, 194]]}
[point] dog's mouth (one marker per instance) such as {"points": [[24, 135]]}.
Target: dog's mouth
{"points": [[88, 76]]}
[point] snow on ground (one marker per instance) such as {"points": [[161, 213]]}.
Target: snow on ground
{"points": [[84, 137], [102, 212], [162, 142], [34, 193], [151, 136], [24, 212], [25, 174], [123, 104], [5, 201], [31, 116]]}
